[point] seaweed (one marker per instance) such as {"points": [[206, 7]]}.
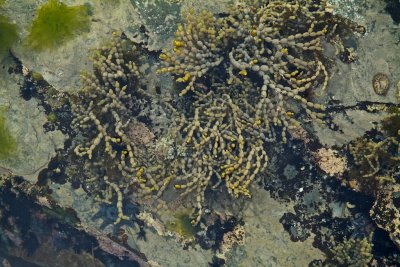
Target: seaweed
{"points": [[8, 144], [182, 226], [8, 34], [56, 23], [391, 124]]}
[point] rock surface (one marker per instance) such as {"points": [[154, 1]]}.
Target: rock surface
{"points": [[25, 120]]}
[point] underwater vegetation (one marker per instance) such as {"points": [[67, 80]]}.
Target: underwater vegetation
{"points": [[376, 172], [352, 252], [244, 80], [52, 117], [377, 158], [8, 144], [268, 64], [105, 106], [56, 23], [182, 226], [8, 34]]}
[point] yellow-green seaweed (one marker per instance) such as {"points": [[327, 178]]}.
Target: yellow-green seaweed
{"points": [[37, 76], [8, 34], [182, 226], [8, 144], [56, 23], [52, 117]]}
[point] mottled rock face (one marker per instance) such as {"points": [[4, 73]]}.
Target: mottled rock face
{"points": [[380, 83]]}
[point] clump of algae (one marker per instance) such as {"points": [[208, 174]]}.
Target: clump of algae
{"points": [[182, 226], [56, 23], [8, 144], [8, 34]]}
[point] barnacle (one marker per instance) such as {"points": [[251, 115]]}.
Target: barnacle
{"points": [[380, 83]]}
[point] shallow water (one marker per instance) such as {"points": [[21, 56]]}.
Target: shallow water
{"points": [[107, 159]]}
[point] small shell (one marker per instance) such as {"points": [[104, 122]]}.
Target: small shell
{"points": [[380, 83]]}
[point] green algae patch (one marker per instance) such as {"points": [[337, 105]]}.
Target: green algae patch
{"points": [[52, 117], [56, 23], [8, 34], [8, 144], [182, 225]]}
